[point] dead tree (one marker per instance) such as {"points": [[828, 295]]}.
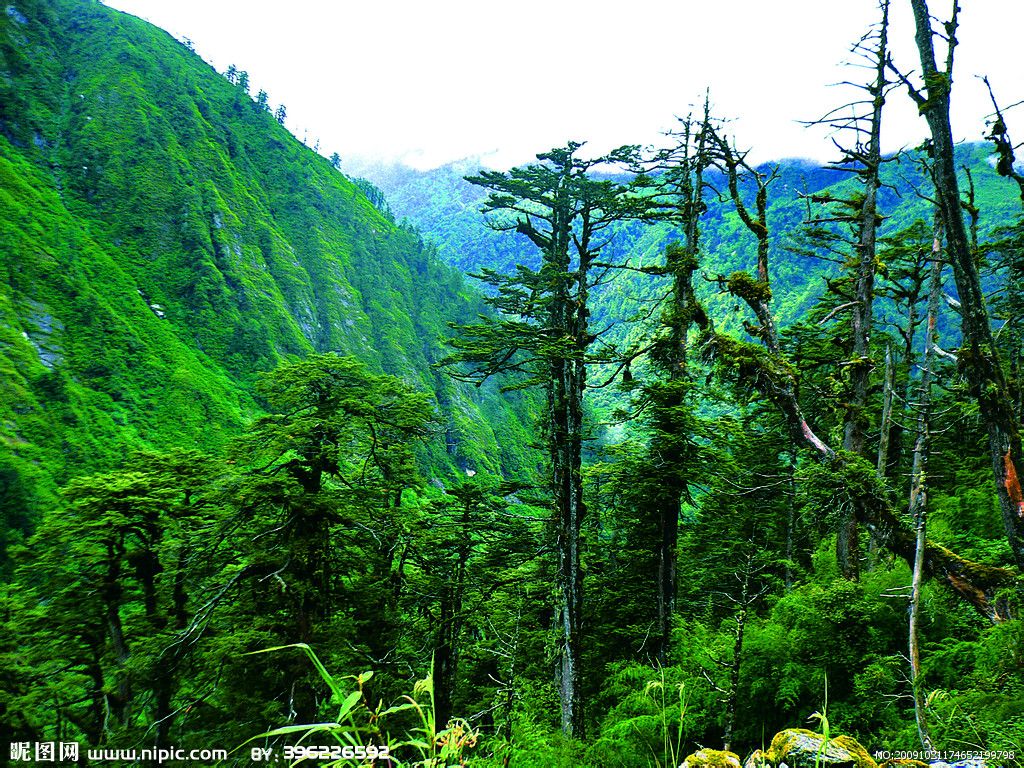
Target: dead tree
{"points": [[906, 254], [999, 135], [979, 357], [756, 292], [749, 595], [861, 213], [888, 384], [919, 484]]}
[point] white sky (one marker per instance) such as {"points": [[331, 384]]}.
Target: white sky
{"points": [[429, 81]]}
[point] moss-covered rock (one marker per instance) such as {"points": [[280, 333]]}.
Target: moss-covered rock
{"points": [[711, 758], [800, 748]]}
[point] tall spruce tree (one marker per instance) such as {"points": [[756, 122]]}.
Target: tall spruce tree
{"points": [[865, 160], [543, 332], [329, 464], [676, 196]]}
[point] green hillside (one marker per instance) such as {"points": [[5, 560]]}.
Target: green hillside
{"points": [[215, 350], [164, 239]]}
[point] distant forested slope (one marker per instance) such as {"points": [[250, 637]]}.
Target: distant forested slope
{"points": [[446, 209]]}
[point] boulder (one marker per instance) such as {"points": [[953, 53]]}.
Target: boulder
{"points": [[800, 748], [711, 758]]}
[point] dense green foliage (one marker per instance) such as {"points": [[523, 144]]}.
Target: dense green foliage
{"points": [[755, 503], [234, 479]]}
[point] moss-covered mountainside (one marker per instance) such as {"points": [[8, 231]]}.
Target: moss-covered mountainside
{"points": [[163, 239]]}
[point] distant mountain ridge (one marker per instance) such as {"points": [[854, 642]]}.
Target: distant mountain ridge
{"points": [[442, 205]]}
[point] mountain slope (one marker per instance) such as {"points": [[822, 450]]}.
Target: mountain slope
{"points": [[163, 239]]}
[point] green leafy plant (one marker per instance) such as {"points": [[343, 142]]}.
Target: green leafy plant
{"points": [[356, 725], [671, 750], [647, 727], [822, 718], [446, 747]]}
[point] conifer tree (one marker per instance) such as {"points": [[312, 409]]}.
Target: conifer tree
{"points": [[865, 159], [120, 566], [544, 334], [335, 454], [674, 194]]}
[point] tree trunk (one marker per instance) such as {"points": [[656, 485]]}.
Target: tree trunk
{"points": [[856, 423], [791, 519], [93, 727], [113, 592], [445, 658], [919, 488], [568, 377], [734, 667], [979, 358], [884, 429], [446, 649], [896, 448]]}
